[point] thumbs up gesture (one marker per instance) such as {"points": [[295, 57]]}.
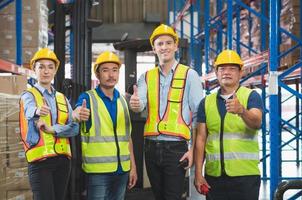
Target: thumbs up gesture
{"points": [[233, 105], [84, 104], [81, 113], [134, 100], [43, 110]]}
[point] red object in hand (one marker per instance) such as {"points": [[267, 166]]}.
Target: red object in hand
{"points": [[204, 189]]}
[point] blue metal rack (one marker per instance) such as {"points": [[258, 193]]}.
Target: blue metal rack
{"points": [[188, 13], [276, 82], [8, 66], [18, 5], [219, 30]]}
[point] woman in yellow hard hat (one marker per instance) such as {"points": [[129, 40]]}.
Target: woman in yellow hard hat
{"points": [[107, 150], [46, 125]]}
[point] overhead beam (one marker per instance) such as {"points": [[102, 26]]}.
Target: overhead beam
{"points": [[108, 33]]}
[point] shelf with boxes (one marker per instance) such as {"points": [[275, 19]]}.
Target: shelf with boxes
{"points": [[14, 182], [6, 66], [24, 30]]}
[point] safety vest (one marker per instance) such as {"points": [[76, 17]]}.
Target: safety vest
{"points": [[104, 145], [239, 155], [172, 122], [48, 145]]}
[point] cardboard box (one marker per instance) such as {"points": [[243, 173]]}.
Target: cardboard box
{"points": [[9, 107], [16, 159], [19, 195], [15, 152], [3, 162], [3, 137], [291, 58], [3, 148], [29, 38], [28, 6], [29, 22], [9, 53], [2, 182], [13, 84], [16, 179]]}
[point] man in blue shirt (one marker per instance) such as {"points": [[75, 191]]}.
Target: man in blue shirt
{"points": [[107, 150], [227, 136], [171, 92]]}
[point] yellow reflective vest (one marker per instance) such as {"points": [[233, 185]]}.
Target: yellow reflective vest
{"points": [[172, 122], [231, 146], [48, 145], [104, 145]]}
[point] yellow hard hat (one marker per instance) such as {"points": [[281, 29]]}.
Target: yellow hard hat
{"points": [[44, 53], [163, 30], [228, 57], [106, 57]]}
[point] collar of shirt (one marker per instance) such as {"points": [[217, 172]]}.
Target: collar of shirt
{"points": [[116, 94], [220, 95], [173, 66], [43, 90]]}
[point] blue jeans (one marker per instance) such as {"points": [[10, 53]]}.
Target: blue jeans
{"points": [[107, 186], [49, 178], [162, 165]]}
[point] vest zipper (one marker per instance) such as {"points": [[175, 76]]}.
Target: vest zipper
{"points": [[117, 146], [222, 116], [221, 147]]}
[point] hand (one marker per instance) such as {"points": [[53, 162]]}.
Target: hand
{"points": [[201, 184], [189, 156], [233, 106], [81, 113], [132, 178], [134, 100], [41, 125], [43, 110]]}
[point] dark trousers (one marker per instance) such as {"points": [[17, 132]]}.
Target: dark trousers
{"points": [[233, 188], [49, 178], [162, 165]]}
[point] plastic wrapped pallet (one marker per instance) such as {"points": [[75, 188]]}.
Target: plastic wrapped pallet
{"points": [[14, 182], [13, 172]]}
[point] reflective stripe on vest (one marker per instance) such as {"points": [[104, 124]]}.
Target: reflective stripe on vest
{"points": [[99, 150], [172, 122], [48, 145], [240, 143]]}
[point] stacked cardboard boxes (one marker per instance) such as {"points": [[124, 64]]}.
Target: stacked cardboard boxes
{"points": [[291, 21], [34, 29], [14, 182], [250, 30]]}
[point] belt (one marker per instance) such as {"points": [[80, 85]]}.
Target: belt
{"points": [[154, 142]]}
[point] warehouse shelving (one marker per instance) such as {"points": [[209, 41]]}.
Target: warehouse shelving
{"points": [[187, 13], [6, 66], [273, 81], [18, 7]]}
